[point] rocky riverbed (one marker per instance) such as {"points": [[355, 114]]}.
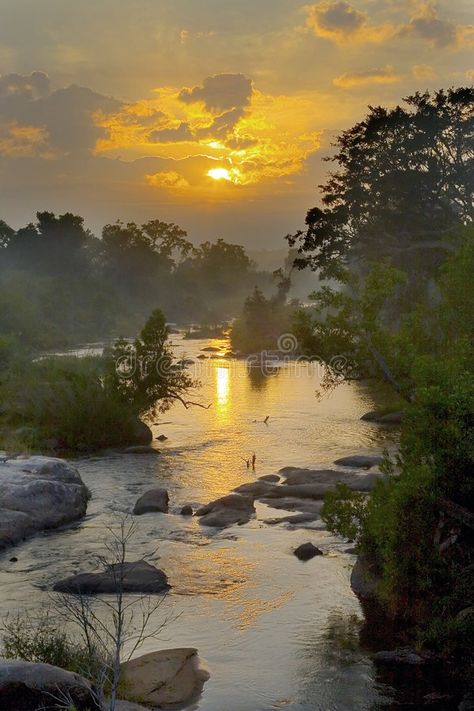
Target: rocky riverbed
{"points": [[238, 593]]}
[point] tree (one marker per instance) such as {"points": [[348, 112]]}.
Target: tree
{"points": [[50, 246], [405, 178], [144, 374]]}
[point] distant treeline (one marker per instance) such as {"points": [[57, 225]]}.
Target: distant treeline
{"points": [[60, 284]]}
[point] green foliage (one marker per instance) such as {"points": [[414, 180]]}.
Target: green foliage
{"points": [[90, 402], [262, 322], [344, 511], [144, 375], [415, 528], [66, 400], [43, 640]]}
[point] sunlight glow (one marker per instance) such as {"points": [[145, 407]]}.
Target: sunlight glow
{"points": [[219, 174], [222, 391]]}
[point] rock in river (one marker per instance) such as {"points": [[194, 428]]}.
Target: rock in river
{"points": [[226, 511], [360, 461], [36, 494], [186, 510], [364, 579], [272, 478], [141, 449], [140, 433], [306, 551], [154, 500], [164, 679], [25, 686], [137, 577]]}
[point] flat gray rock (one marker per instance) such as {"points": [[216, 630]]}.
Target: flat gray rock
{"points": [[272, 478], [318, 489], [255, 488], [311, 476], [137, 577], [360, 461], [227, 511], [294, 519]]}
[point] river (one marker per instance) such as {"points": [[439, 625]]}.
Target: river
{"points": [[274, 633]]}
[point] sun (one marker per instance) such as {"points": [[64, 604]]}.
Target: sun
{"points": [[219, 174]]}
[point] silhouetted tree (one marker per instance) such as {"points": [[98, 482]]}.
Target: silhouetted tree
{"points": [[405, 178]]}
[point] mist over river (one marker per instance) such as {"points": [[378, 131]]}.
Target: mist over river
{"points": [[274, 633]]}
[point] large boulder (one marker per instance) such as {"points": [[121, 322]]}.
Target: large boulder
{"points": [[137, 577], [140, 433], [25, 686], [164, 679], [36, 494], [391, 418], [152, 501], [226, 511], [360, 461], [364, 579]]}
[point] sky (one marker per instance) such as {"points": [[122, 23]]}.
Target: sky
{"points": [[212, 114]]}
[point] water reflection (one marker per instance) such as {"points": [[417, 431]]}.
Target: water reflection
{"points": [[222, 376], [258, 378]]}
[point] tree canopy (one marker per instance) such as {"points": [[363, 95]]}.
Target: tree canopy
{"points": [[404, 178]]}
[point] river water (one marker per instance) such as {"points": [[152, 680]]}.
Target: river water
{"points": [[273, 632]]}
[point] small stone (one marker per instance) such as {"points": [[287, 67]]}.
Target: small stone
{"points": [[162, 438], [152, 501], [306, 551], [14, 559], [186, 511]]}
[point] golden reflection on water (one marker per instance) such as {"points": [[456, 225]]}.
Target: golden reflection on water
{"points": [[226, 573], [222, 377]]}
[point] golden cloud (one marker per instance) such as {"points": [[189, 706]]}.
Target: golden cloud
{"points": [[423, 72], [170, 180], [338, 21], [265, 137], [18, 141], [371, 76]]}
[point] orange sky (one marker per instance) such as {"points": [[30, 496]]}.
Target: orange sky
{"points": [[211, 114]]}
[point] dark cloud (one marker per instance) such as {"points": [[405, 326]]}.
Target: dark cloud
{"points": [[224, 123], [426, 24], [67, 114], [220, 92], [338, 16], [172, 135], [19, 86]]}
